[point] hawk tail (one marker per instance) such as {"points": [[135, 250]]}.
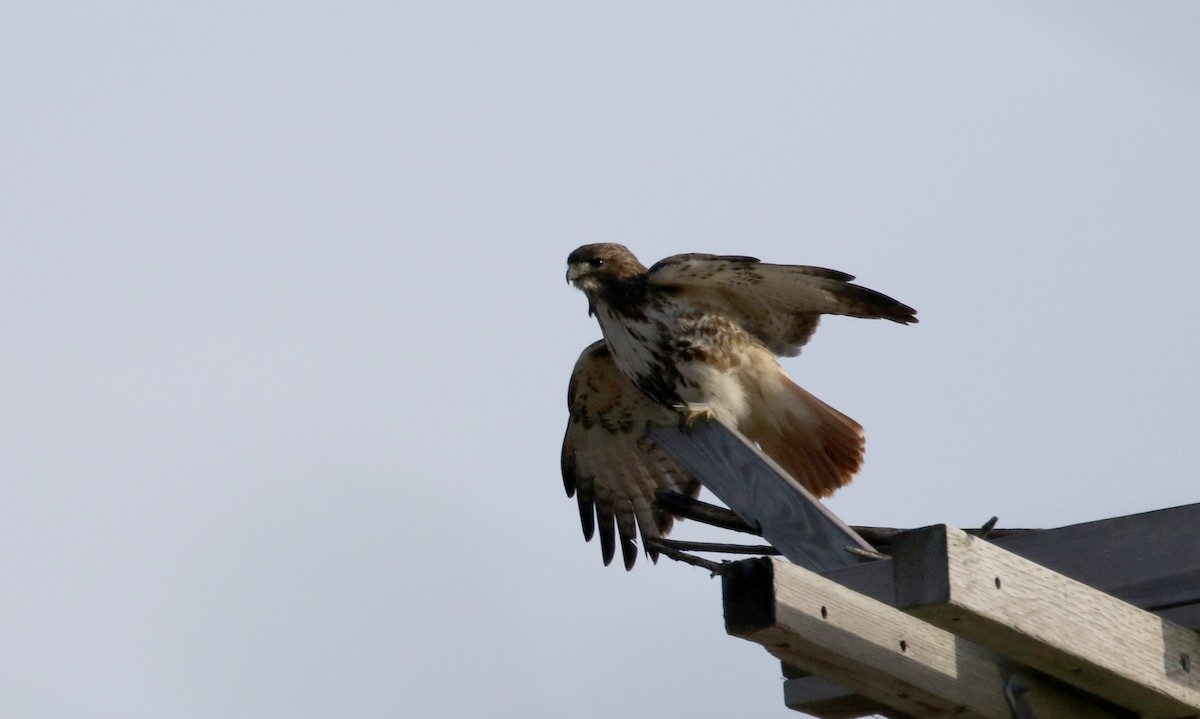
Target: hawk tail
{"points": [[818, 445]]}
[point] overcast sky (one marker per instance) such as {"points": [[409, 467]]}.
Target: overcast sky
{"points": [[285, 336]]}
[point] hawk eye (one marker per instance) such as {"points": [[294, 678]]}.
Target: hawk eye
{"points": [[596, 262]]}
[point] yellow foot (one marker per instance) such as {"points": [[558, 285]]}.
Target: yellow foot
{"points": [[692, 415]]}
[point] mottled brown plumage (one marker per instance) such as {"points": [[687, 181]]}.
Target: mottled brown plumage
{"points": [[609, 463], [698, 336]]}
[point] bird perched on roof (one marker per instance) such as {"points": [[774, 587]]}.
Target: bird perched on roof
{"points": [[695, 337]]}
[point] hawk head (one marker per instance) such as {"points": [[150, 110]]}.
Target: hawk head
{"points": [[592, 267]]}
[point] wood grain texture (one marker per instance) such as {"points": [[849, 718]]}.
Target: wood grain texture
{"points": [[880, 652], [752, 485], [822, 698], [1057, 625], [1150, 560]]}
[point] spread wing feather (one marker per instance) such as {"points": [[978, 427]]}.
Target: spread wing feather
{"points": [[609, 464], [778, 304]]}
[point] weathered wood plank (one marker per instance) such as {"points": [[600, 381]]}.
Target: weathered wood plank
{"points": [[809, 693], [880, 652], [761, 493], [824, 699], [1065, 628], [1148, 559]]}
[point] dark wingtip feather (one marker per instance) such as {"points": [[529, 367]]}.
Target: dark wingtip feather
{"points": [[903, 314], [627, 531], [607, 539], [629, 552], [568, 472], [587, 517], [872, 303]]}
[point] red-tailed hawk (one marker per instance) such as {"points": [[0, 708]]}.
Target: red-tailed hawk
{"points": [[697, 336]]}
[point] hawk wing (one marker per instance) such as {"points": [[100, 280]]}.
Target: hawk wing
{"points": [[778, 304], [609, 463]]}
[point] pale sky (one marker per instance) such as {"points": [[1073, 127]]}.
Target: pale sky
{"points": [[286, 337]]}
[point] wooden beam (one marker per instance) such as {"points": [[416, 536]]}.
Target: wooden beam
{"points": [[1148, 559], [824, 699], [1047, 621], [882, 653], [761, 493]]}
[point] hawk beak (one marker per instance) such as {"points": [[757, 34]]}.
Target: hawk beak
{"points": [[572, 273]]}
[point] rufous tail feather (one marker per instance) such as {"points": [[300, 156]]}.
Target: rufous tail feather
{"points": [[818, 445]]}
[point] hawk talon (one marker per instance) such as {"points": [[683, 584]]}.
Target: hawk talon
{"points": [[690, 416]]}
